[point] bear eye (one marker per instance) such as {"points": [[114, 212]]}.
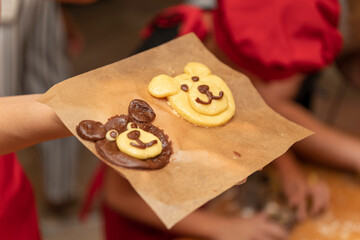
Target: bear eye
{"points": [[195, 78], [184, 87], [111, 135], [132, 125]]}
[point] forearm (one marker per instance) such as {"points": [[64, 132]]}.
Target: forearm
{"points": [[208, 225], [136, 209], [287, 168], [328, 145], [120, 196], [286, 162], [25, 122]]}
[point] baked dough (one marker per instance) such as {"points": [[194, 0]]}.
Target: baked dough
{"points": [[197, 95]]}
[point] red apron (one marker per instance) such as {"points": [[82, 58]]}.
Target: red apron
{"points": [[18, 220]]}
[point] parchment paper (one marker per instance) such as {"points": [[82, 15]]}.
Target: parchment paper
{"points": [[203, 164]]}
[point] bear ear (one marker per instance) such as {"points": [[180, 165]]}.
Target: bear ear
{"points": [[197, 69], [140, 111], [163, 86], [91, 130]]}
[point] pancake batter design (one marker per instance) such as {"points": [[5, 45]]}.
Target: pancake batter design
{"points": [[129, 141], [197, 95]]}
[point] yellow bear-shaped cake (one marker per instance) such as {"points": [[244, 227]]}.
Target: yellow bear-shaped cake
{"points": [[138, 143], [197, 95]]}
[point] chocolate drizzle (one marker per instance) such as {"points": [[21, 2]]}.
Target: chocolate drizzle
{"points": [[204, 89], [184, 87], [135, 135]]}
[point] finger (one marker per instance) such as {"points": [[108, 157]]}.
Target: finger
{"points": [[327, 196], [317, 201], [320, 198], [301, 210], [242, 182], [275, 231], [317, 207], [294, 199], [297, 198]]}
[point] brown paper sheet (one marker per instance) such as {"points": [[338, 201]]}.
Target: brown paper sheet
{"points": [[203, 164]]}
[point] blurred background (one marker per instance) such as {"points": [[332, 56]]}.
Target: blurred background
{"points": [[108, 31]]}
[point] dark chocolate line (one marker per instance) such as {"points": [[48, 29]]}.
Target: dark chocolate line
{"points": [[204, 89]]}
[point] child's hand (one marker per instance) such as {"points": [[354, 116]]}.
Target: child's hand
{"points": [[307, 199], [296, 190], [255, 228], [319, 195]]}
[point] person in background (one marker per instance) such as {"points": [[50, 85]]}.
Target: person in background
{"points": [[280, 56], [36, 43], [277, 47]]}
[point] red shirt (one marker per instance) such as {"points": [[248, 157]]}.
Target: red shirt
{"points": [[18, 218]]}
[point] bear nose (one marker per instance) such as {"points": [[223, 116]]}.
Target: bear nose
{"points": [[134, 135], [203, 88]]}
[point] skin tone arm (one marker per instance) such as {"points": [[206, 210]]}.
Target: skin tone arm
{"points": [[318, 147], [120, 196], [25, 122], [328, 146]]}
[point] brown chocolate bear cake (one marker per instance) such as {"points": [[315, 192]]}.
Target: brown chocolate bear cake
{"points": [[129, 141]]}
